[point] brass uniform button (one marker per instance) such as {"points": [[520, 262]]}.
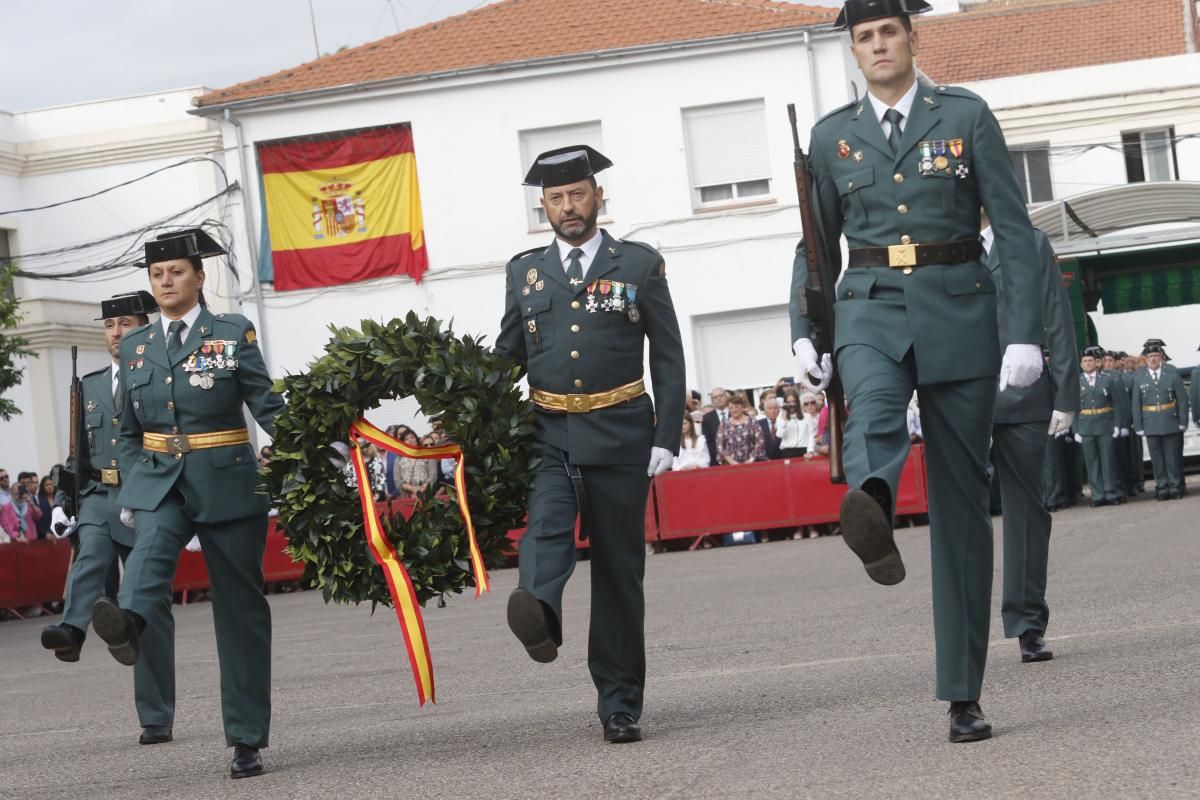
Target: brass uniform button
{"points": [[907, 270], [849, 295], [574, 354], [906, 239], [238, 459], [116, 421], [114, 441], [174, 430], [578, 383], [574, 304], [978, 284], [167, 380], [178, 456], [113, 463], [574, 329], [171, 404], [528, 309], [849, 184], [903, 209], [898, 177]]}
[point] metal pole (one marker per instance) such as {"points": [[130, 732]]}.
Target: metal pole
{"points": [[313, 19], [251, 239], [812, 77]]}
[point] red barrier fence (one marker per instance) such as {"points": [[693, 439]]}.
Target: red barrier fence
{"points": [[748, 497]]}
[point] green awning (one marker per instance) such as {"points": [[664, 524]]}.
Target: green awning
{"points": [[1146, 290]]}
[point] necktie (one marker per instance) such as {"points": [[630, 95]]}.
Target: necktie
{"points": [[117, 394], [174, 339], [893, 116], [574, 268]]}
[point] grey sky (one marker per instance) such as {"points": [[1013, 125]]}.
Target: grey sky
{"points": [[69, 51]]}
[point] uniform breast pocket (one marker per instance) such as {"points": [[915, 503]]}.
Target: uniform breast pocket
{"points": [[535, 317], [93, 424], [626, 329], [139, 388], [968, 279], [234, 456], [854, 201], [855, 285]]}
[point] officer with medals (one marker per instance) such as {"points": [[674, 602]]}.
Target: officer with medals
{"points": [[576, 316], [1024, 419], [103, 539], [902, 173], [1160, 414], [191, 471], [1102, 406]]}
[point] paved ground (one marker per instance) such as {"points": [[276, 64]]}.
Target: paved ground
{"points": [[776, 671]]}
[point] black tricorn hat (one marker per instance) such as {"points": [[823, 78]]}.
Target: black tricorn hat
{"points": [[1155, 346], [130, 304], [856, 11], [566, 165], [1095, 351], [187, 243]]}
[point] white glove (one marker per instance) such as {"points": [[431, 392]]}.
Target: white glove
{"points": [[813, 375], [127, 517], [1183, 427], [1078, 439], [660, 461], [1124, 432], [62, 525], [1059, 422], [1021, 366], [1140, 433], [1116, 432], [193, 545]]}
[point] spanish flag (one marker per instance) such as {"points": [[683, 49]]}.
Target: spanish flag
{"points": [[343, 207]]}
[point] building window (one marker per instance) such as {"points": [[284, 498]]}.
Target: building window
{"points": [[539, 140], [728, 160], [1032, 165], [1150, 155]]}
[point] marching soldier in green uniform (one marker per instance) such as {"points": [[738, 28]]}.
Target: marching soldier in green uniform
{"points": [[192, 472], [576, 316], [903, 173], [1160, 414], [103, 539], [1024, 420], [1102, 406]]}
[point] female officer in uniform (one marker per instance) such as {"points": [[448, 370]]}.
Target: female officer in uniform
{"points": [[191, 471]]}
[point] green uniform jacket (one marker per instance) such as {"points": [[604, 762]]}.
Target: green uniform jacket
{"points": [[1125, 381], [218, 484], [102, 424], [1106, 394], [875, 198], [569, 344], [1167, 389], [1195, 396], [1054, 390]]}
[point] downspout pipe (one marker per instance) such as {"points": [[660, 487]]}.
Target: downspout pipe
{"points": [[251, 240], [812, 76]]}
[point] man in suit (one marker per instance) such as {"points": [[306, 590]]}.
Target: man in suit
{"points": [[192, 472], [902, 174], [770, 411], [1027, 424], [711, 422], [1102, 406], [1160, 414], [102, 538], [576, 317]]}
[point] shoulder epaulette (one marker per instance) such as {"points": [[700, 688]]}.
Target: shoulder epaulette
{"points": [[525, 253], [958, 91], [93, 372], [642, 245], [841, 108]]}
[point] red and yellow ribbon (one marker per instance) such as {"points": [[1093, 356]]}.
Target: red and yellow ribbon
{"points": [[404, 597]]}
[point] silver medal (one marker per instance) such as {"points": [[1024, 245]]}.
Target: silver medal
{"points": [[206, 381], [194, 380]]}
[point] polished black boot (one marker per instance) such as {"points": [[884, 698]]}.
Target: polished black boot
{"points": [[246, 763], [967, 723], [155, 734], [620, 728], [1034, 648], [65, 640]]}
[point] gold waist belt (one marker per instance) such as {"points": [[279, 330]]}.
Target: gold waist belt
{"points": [[583, 403], [177, 444], [1163, 407], [1091, 412]]}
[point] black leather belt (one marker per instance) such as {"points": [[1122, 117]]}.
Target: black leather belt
{"points": [[907, 256]]}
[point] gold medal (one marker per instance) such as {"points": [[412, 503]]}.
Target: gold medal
{"points": [[531, 276], [941, 162]]}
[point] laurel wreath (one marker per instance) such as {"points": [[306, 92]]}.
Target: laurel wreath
{"points": [[470, 386]]}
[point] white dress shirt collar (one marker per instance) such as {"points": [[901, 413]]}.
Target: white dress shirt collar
{"points": [[189, 319], [589, 248], [903, 105]]}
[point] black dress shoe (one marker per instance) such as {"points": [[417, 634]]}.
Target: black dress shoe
{"points": [[621, 727], [1034, 648], [527, 619], [118, 629], [246, 763], [65, 640], [967, 723], [867, 529], [155, 734]]}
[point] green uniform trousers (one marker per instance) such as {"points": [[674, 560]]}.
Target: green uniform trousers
{"points": [[1055, 475], [1166, 458], [956, 418], [1020, 451], [615, 523], [154, 674], [1100, 456], [233, 553], [1133, 471]]}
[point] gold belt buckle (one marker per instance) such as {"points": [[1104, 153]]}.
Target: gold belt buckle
{"points": [[178, 445], [110, 477], [902, 255], [579, 403]]}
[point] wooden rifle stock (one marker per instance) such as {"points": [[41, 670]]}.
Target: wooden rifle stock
{"points": [[816, 300]]}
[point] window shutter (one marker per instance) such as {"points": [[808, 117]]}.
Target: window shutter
{"points": [[727, 143]]}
